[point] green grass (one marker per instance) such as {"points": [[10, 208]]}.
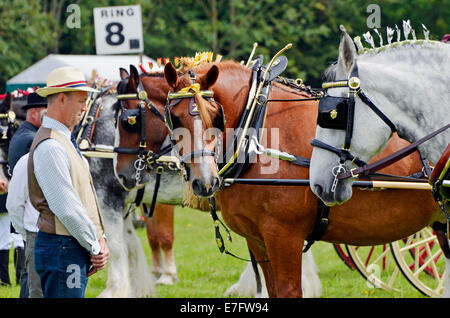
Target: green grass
{"points": [[204, 272]]}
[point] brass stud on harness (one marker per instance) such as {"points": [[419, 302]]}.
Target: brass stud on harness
{"points": [[354, 82], [131, 120], [333, 114], [142, 95]]}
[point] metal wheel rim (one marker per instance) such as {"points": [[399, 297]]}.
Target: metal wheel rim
{"points": [[371, 260], [413, 265], [341, 251]]}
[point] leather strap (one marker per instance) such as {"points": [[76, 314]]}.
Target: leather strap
{"points": [[388, 160], [320, 226]]}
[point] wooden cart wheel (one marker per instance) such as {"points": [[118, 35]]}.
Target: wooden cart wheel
{"points": [[377, 265], [342, 252], [421, 261]]}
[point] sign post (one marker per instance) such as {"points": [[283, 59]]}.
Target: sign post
{"points": [[118, 30]]}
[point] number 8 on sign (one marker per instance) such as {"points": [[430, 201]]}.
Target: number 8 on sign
{"points": [[118, 30], [114, 37]]}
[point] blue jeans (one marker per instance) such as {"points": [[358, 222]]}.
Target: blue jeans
{"points": [[62, 264]]}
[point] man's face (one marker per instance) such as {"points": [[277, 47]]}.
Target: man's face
{"points": [[74, 107], [36, 115]]}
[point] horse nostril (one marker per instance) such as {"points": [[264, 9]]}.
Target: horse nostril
{"points": [[196, 186]]}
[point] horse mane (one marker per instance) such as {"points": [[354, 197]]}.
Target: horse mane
{"points": [[329, 74], [390, 33], [406, 44]]}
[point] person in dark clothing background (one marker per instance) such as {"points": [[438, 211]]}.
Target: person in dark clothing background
{"points": [[20, 145]]}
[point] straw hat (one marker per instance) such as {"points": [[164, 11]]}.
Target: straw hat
{"points": [[65, 79]]}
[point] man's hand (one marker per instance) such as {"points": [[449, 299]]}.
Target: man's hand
{"points": [[4, 186], [99, 261]]}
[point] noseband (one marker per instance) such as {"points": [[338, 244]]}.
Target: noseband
{"points": [[338, 113], [190, 92]]}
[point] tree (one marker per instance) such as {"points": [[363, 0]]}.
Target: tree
{"points": [[183, 27], [24, 36]]}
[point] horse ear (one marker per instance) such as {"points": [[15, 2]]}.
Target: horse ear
{"points": [[347, 52], [171, 75], [133, 82], [211, 77], [6, 105], [123, 73]]}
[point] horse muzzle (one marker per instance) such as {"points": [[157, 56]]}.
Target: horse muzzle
{"points": [[205, 189]]}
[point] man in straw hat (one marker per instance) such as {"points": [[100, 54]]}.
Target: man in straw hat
{"points": [[70, 244], [22, 214]]}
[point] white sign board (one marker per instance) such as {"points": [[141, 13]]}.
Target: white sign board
{"points": [[118, 30]]}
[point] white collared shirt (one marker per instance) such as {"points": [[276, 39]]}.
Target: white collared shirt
{"points": [[52, 171], [22, 213]]}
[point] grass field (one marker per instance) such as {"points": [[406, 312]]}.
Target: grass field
{"points": [[206, 273]]}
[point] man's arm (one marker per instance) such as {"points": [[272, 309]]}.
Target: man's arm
{"points": [[17, 196], [52, 170]]}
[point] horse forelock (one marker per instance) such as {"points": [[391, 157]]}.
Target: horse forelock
{"points": [[206, 109]]}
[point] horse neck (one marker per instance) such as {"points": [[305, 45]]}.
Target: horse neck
{"points": [[295, 118], [231, 90], [410, 86]]}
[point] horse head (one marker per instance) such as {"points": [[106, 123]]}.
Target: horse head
{"points": [[196, 120], [140, 130], [370, 95], [8, 126]]}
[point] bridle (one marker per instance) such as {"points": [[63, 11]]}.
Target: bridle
{"points": [[134, 121], [330, 110], [189, 93], [338, 113], [6, 135]]}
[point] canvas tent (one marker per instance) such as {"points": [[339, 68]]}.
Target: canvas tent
{"points": [[107, 67]]}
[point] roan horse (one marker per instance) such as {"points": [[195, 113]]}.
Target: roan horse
{"points": [[400, 87], [275, 220], [128, 271], [172, 185]]}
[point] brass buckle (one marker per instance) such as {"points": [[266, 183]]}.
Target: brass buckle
{"points": [[160, 170], [354, 175]]}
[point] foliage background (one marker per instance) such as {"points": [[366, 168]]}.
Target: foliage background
{"points": [[32, 29]]}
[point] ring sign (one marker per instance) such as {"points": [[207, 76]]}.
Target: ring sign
{"points": [[118, 30]]}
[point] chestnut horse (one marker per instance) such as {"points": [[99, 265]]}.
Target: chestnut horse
{"points": [[172, 187], [276, 220]]}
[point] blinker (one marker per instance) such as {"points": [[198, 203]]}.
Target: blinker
{"points": [[129, 120], [333, 112]]}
